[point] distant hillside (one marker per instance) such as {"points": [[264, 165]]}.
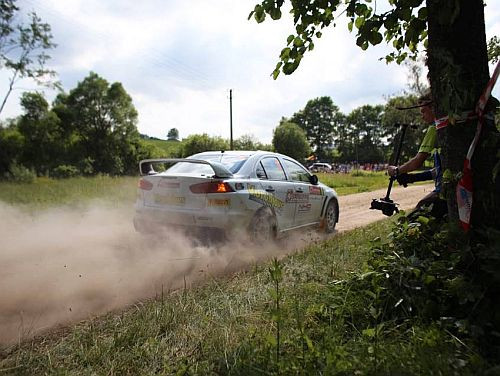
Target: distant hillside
{"points": [[170, 148]]}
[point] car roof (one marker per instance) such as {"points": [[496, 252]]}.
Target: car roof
{"points": [[232, 152], [252, 155]]}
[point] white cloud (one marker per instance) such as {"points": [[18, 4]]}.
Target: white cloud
{"points": [[178, 59]]}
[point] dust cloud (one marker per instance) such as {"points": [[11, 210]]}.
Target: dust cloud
{"points": [[63, 265]]}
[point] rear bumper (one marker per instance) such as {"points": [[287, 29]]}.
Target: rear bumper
{"points": [[149, 219]]}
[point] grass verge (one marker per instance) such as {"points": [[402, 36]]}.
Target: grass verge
{"points": [[46, 192], [282, 317]]}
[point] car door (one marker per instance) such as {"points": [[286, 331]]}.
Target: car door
{"points": [[275, 189], [308, 198]]}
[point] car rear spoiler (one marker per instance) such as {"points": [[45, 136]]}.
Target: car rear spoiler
{"points": [[146, 166]]}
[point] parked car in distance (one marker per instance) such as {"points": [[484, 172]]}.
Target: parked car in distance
{"points": [[320, 167], [266, 194]]}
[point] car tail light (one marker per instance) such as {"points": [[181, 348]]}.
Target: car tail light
{"points": [[145, 185], [211, 187]]}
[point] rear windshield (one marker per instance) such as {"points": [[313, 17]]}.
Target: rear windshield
{"points": [[232, 162]]}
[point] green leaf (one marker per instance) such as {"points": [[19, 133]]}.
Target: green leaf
{"points": [[370, 332], [405, 14], [311, 46], [271, 340], [297, 42], [423, 220], [318, 34], [289, 68], [422, 14], [360, 21], [375, 38], [290, 38], [259, 14], [275, 74], [275, 13], [285, 53], [428, 279], [349, 25], [361, 9], [309, 343]]}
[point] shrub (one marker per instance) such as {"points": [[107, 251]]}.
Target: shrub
{"points": [[20, 174], [430, 273], [86, 166], [65, 171]]}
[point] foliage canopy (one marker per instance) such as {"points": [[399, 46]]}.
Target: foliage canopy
{"points": [[290, 139]]}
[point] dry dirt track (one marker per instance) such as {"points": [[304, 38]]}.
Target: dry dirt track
{"points": [[354, 210], [69, 264]]}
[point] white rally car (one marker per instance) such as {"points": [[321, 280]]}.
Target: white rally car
{"points": [[263, 193]]}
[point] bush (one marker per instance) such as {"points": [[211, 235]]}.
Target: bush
{"points": [[20, 174], [430, 273], [65, 171], [86, 166]]}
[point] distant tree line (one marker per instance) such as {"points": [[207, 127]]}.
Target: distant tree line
{"points": [[365, 135], [92, 129]]}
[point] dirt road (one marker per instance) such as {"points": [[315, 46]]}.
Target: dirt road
{"points": [[67, 264], [354, 210]]}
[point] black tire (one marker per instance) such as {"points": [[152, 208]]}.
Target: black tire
{"points": [[331, 217], [262, 228]]}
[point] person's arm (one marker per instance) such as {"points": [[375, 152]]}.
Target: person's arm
{"points": [[416, 162]]}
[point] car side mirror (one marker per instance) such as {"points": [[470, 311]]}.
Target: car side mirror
{"points": [[313, 179]]}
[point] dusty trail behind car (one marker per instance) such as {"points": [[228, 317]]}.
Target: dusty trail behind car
{"points": [[67, 264]]}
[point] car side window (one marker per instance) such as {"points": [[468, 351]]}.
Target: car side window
{"points": [[273, 168], [296, 172]]}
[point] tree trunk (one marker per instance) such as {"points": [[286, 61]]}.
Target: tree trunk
{"points": [[458, 73]]}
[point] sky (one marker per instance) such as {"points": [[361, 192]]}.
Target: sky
{"points": [[178, 59]]}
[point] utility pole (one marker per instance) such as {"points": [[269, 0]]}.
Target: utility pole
{"points": [[231, 118]]}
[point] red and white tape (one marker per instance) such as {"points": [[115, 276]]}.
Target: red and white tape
{"points": [[464, 189]]}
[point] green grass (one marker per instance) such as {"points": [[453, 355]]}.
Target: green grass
{"points": [[228, 326], [355, 182], [45, 192], [170, 148]]}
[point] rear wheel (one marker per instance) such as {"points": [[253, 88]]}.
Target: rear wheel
{"points": [[262, 228], [331, 216]]}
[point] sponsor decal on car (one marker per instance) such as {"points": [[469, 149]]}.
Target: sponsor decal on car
{"points": [[315, 190], [169, 184], [292, 196], [304, 207], [265, 198], [219, 202], [170, 200]]}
